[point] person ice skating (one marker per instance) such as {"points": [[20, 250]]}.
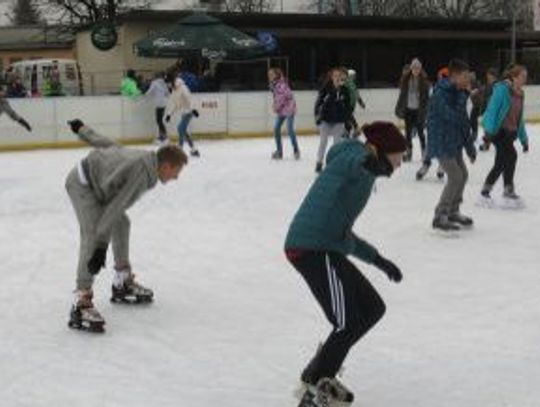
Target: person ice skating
{"points": [[492, 76], [101, 187], [159, 93], [319, 240], [6, 108], [412, 104], [180, 101], [285, 108], [503, 123], [332, 111], [354, 97], [448, 133], [129, 86], [476, 109]]}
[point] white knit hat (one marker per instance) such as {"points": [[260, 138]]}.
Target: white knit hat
{"points": [[416, 63]]}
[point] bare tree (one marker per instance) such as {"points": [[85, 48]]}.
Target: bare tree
{"points": [[250, 6], [24, 12], [76, 12]]}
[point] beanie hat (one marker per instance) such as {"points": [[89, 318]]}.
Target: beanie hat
{"points": [[385, 136], [416, 63]]}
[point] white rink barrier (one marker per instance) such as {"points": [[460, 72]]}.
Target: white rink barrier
{"points": [[237, 114]]}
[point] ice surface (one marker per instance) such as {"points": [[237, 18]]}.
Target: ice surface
{"points": [[233, 323]]}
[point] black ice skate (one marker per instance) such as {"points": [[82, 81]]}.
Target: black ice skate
{"points": [[461, 220], [421, 173], [440, 173], [131, 292], [277, 155], [511, 199], [84, 316], [442, 222], [297, 154], [195, 153]]}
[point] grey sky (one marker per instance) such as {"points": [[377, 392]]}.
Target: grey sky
{"points": [[288, 6]]}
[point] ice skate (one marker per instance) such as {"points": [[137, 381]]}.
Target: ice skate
{"points": [[421, 173], [277, 155], [126, 291], [440, 172], [485, 200], [461, 220], [443, 223], [195, 153], [297, 154], [83, 315], [511, 200], [319, 395]]}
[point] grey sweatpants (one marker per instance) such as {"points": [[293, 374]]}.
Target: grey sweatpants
{"points": [[452, 195], [336, 130], [89, 211]]}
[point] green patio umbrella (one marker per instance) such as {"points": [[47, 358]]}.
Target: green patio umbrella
{"points": [[200, 35]]}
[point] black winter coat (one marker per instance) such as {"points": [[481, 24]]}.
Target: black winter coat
{"points": [[333, 105]]}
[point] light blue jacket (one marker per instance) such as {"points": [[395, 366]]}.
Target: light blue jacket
{"points": [[498, 108]]}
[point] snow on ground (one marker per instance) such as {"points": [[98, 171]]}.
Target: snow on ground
{"points": [[233, 324]]}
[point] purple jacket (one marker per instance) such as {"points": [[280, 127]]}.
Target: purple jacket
{"points": [[284, 103]]}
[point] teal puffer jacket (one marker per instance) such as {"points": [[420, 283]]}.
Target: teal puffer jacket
{"points": [[325, 218]]}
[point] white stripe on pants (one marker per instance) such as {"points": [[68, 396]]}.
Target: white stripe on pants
{"points": [[336, 294]]}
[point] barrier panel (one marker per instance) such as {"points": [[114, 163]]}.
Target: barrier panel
{"points": [[221, 115]]}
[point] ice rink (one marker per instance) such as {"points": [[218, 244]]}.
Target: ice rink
{"points": [[233, 324]]}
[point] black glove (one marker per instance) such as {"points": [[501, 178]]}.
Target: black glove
{"points": [[75, 125], [195, 112], [167, 118], [526, 147], [25, 124], [97, 261], [390, 269]]}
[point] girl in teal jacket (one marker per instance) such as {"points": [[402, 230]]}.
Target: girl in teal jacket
{"points": [[503, 123], [319, 240]]}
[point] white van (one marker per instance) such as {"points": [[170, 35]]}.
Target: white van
{"points": [[34, 73]]}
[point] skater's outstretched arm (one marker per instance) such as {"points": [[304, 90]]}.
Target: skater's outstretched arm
{"points": [[89, 136], [362, 249], [6, 108]]}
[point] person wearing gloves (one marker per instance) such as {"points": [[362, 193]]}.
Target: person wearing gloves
{"points": [[101, 187], [6, 108], [321, 237], [503, 123], [448, 134], [159, 94], [180, 101]]}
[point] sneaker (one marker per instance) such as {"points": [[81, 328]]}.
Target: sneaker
{"points": [[126, 290], [83, 315], [461, 219], [443, 223]]}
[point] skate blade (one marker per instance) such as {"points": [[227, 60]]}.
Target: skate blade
{"points": [[132, 300], [91, 328], [447, 234], [512, 204]]}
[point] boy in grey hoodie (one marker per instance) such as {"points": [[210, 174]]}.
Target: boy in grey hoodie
{"points": [[101, 188]]}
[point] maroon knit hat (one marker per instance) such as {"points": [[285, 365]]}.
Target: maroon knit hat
{"points": [[385, 136]]}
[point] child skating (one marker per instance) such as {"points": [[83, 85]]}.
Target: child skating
{"points": [[101, 188], [318, 242], [503, 123], [448, 134]]}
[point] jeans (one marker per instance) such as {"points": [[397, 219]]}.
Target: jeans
{"points": [[290, 130], [452, 194], [182, 130], [505, 159]]}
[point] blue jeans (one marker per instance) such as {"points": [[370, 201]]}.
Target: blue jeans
{"points": [[182, 130], [290, 129]]}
